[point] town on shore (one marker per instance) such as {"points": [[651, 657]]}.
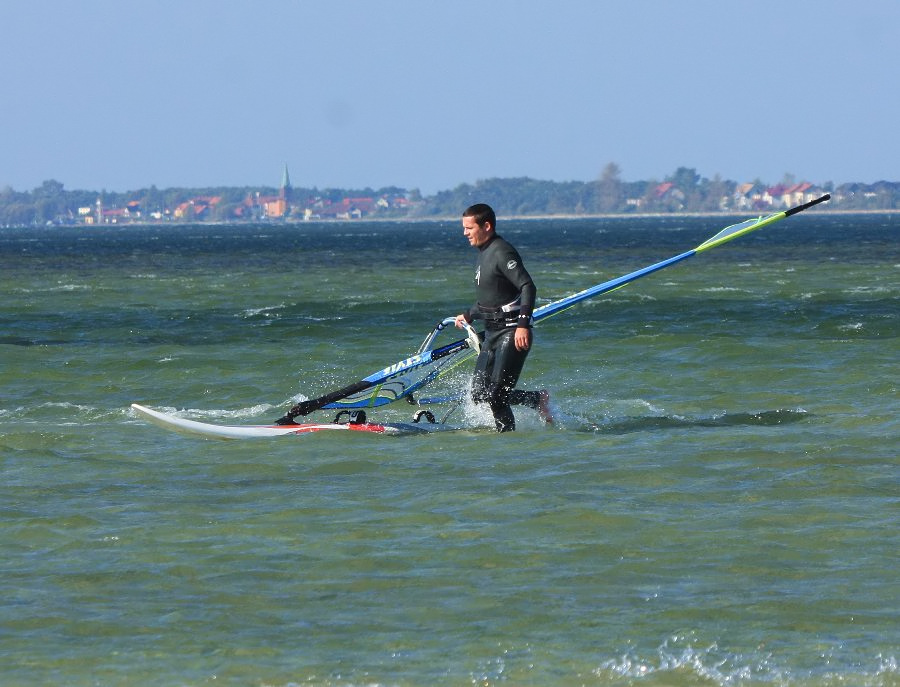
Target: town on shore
{"points": [[683, 192]]}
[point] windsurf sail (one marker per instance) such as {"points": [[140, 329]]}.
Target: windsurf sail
{"points": [[397, 381], [421, 371], [404, 378]]}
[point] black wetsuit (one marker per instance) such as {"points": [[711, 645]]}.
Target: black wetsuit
{"points": [[505, 300]]}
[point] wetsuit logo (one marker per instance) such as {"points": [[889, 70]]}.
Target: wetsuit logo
{"points": [[511, 265], [478, 275]]}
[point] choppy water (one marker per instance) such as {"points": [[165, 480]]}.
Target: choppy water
{"points": [[718, 504]]}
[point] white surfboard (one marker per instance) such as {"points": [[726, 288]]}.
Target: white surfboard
{"points": [[207, 430]]}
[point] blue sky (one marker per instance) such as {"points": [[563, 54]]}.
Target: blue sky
{"points": [[119, 95]]}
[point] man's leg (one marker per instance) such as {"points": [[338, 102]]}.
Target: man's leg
{"points": [[538, 400], [505, 368]]}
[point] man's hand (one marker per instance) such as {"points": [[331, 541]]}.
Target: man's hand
{"points": [[461, 321], [523, 338]]}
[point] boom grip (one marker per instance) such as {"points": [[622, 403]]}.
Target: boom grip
{"points": [[806, 206]]}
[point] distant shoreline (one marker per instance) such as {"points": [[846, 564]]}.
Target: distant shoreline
{"points": [[410, 220]]}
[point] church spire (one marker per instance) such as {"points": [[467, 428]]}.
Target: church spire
{"points": [[285, 185]]}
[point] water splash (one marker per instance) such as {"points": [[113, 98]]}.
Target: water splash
{"points": [[683, 659]]}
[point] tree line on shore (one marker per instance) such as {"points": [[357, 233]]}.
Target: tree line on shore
{"points": [[685, 191]]}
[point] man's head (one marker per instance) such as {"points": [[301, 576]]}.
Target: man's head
{"points": [[479, 223]]}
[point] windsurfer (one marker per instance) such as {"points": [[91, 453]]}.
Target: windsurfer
{"points": [[505, 295]]}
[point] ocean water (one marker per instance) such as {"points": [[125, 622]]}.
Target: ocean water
{"points": [[717, 503]]}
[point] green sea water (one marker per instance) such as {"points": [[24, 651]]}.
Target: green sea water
{"points": [[717, 503]]}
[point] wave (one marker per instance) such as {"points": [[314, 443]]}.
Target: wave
{"points": [[680, 661], [627, 425]]}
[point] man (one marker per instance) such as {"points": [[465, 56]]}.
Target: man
{"points": [[505, 296]]}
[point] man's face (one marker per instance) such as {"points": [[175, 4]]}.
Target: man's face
{"points": [[476, 234]]}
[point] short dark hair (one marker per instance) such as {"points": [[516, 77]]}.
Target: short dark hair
{"points": [[482, 213]]}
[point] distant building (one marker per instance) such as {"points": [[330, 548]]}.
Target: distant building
{"points": [[197, 208], [285, 193], [274, 207]]}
